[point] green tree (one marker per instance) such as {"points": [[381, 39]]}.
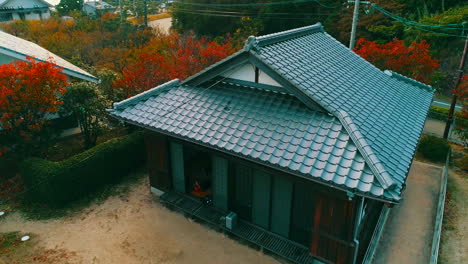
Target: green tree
{"points": [[67, 6], [86, 103]]}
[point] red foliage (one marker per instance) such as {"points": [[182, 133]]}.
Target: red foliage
{"points": [[173, 56], [413, 61], [28, 92]]}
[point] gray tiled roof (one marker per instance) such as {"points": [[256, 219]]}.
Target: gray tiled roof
{"points": [[361, 137], [386, 109], [270, 127], [10, 43]]}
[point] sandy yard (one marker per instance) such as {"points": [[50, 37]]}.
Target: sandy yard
{"points": [[408, 233], [133, 228], [163, 24]]}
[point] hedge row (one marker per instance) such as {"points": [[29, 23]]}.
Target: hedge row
{"points": [[58, 183], [441, 113], [433, 148]]}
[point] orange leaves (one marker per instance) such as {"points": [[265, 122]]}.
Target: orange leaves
{"points": [[169, 57], [413, 61], [28, 92]]}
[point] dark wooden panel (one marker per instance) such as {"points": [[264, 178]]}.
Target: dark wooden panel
{"points": [[157, 161], [332, 228]]}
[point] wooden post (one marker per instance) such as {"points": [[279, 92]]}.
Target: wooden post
{"points": [[454, 97]]}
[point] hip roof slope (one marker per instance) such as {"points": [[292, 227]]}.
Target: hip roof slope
{"points": [[387, 111]]}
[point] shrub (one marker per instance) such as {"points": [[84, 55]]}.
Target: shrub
{"points": [[58, 183], [441, 113], [433, 148]]}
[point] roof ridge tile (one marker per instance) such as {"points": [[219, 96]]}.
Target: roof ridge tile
{"points": [[372, 160], [256, 42], [409, 80], [146, 94]]}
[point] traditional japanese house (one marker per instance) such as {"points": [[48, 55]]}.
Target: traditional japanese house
{"points": [[298, 137]]}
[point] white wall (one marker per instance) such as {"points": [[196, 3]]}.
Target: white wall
{"points": [[246, 72], [32, 16], [4, 59]]}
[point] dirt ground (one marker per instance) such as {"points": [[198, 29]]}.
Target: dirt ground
{"points": [[163, 24], [133, 228], [408, 233], [454, 246], [436, 128]]}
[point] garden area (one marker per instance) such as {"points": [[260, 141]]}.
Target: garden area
{"points": [[454, 226]]}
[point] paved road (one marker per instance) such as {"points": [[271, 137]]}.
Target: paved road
{"points": [[407, 236], [163, 24], [445, 104]]}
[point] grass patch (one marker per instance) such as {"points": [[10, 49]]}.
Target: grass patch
{"points": [[451, 206], [15, 251], [39, 211], [8, 240]]}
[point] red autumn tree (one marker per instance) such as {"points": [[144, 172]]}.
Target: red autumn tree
{"points": [[413, 61], [29, 91], [461, 126], [169, 57]]}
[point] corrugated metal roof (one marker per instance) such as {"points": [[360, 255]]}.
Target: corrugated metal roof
{"points": [[365, 142], [270, 127], [10, 43]]}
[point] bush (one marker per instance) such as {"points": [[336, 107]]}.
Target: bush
{"points": [[58, 183], [433, 148], [441, 113]]}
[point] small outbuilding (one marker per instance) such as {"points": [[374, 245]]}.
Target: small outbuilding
{"points": [[294, 143], [97, 8], [24, 9]]}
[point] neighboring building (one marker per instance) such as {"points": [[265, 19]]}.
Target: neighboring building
{"points": [[97, 8], [14, 48], [24, 9], [306, 142]]}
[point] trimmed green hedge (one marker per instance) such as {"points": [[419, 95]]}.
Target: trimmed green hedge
{"points": [[441, 113], [58, 183], [433, 148]]}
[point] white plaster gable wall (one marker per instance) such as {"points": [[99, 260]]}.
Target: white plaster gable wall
{"points": [[246, 72], [4, 59]]}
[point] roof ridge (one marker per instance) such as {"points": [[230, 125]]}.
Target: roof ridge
{"points": [[409, 80], [255, 42], [368, 154], [146, 94]]}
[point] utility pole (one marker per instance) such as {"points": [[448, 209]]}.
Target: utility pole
{"points": [[352, 41], [121, 11], [454, 97], [357, 4], [146, 13]]}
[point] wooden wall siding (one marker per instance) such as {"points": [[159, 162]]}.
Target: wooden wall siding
{"points": [[367, 226], [241, 198], [177, 166], [302, 213], [281, 205], [261, 199], [220, 182], [332, 229], [157, 161]]}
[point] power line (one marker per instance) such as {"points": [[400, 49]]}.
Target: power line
{"points": [[215, 11], [240, 14], [245, 15], [255, 4], [421, 26], [410, 22]]}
